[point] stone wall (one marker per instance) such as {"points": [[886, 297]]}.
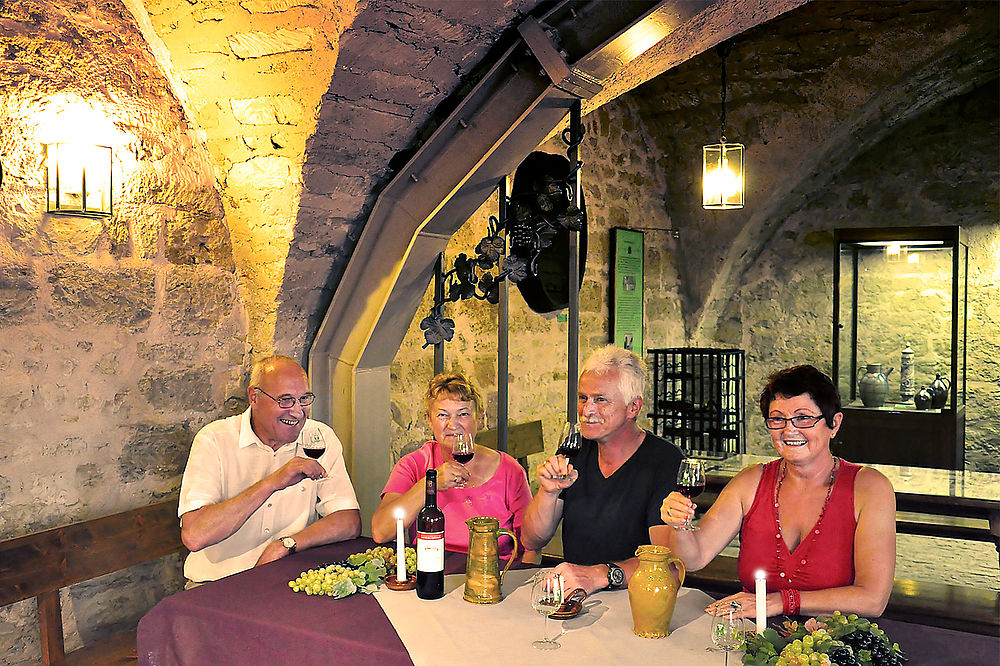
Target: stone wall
{"points": [[122, 335], [760, 279], [616, 197]]}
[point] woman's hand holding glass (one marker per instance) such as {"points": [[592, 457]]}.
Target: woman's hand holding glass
{"points": [[676, 510]]}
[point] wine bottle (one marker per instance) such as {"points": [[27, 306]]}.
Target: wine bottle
{"points": [[430, 543]]}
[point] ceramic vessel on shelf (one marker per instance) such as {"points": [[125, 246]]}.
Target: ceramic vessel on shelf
{"points": [[940, 387], [924, 398], [652, 591], [906, 380], [874, 386], [482, 566]]}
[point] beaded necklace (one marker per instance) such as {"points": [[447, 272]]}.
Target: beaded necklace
{"points": [[777, 519]]}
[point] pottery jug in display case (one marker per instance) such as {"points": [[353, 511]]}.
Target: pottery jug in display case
{"points": [[940, 387], [873, 387]]}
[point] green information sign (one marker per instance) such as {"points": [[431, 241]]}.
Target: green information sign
{"points": [[626, 289]]}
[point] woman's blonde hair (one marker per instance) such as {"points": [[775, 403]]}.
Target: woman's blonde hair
{"points": [[456, 386]]}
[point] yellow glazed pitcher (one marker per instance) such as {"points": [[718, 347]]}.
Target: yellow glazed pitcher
{"points": [[652, 591], [482, 567]]}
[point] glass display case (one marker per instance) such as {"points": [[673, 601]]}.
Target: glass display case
{"points": [[899, 315]]}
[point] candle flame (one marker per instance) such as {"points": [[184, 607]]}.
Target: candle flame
{"points": [[398, 513]]}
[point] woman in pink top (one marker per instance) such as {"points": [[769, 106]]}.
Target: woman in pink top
{"points": [[491, 484], [822, 529]]}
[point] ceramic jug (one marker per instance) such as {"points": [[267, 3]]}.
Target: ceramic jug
{"points": [[939, 389], [924, 398], [873, 387], [482, 566], [652, 591]]}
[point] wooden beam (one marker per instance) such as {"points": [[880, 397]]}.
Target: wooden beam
{"points": [[50, 624]]}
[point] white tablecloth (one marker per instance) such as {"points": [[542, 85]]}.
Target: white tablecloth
{"points": [[452, 630]]}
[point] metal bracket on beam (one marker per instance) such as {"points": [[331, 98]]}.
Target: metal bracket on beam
{"points": [[573, 81]]}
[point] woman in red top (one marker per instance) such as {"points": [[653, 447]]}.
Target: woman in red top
{"points": [[823, 529]]}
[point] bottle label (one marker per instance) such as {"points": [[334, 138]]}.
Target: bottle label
{"points": [[430, 551]]}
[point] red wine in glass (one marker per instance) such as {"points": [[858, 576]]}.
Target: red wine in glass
{"points": [[464, 447], [690, 483], [315, 446], [571, 441], [691, 491]]}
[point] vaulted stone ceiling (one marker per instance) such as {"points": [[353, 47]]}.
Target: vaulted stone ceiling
{"points": [[302, 120], [309, 106]]}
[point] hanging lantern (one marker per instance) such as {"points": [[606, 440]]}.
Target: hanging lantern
{"points": [[722, 163], [722, 185]]}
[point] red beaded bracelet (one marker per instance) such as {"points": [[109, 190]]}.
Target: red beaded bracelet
{"points": [[791, 601], [786, 602]]}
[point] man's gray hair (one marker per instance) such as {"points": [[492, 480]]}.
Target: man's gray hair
{"points": [[632, 369]]}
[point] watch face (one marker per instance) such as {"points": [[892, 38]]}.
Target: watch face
{"points": [[289, 543], [615, 575]]}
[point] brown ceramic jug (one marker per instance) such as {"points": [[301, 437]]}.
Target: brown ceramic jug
{"points": [[652, 591], [482, 566]]}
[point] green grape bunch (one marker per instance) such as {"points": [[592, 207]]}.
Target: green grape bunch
{"points": [[838, 640], [333, 580], [387, 556]]}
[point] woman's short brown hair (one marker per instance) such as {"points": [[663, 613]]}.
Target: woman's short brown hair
{"points": [[456, 386], [798, 380]]}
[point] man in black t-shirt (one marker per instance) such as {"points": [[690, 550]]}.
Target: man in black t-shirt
{"points": [[609, 501]]}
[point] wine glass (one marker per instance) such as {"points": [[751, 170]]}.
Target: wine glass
{"points": [[464, 447], [570, 441], [727, 629], [315, 445], [690, 483], [547, 596]]}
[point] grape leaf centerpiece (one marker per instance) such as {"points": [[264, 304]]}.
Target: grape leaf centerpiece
{"points": [[838, 640], [360, 573]]}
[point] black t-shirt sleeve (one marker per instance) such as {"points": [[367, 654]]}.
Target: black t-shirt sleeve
{"points": [[666, 480]]}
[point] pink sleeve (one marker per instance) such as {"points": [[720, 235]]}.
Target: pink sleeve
{"points": [[408, 471], [518, 491]]}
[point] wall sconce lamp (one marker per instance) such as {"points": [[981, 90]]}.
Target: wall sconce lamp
{"points": [[722, 170], [78, 179]]}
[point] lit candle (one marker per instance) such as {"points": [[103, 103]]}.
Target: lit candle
{"points": [[760, 580], [400, 548]]}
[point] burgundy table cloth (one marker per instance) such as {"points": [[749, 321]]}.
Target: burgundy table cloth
{"points": [[254, 618]]}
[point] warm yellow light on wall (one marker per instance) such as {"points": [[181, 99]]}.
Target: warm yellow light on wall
{"points": [[722, 163], [722, 176], [895, 253], [913, 258], [79, 178]]}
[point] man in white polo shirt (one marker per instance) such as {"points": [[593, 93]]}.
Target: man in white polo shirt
{"points": [[247, 497]]}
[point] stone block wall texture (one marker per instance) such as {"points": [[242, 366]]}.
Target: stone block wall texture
{"points": [[815, 84], [119, 336], [614, 137]]}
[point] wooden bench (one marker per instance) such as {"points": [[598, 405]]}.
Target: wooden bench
{"points": [[933, 604], [39, 565]]}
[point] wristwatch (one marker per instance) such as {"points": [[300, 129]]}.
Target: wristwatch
{"points": [[616, 575], [289, 543]]}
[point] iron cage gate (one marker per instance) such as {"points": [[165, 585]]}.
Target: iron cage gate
{"points": [[699, 400]]}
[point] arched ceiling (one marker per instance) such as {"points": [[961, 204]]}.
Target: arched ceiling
{"points": [[309, 107]]}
